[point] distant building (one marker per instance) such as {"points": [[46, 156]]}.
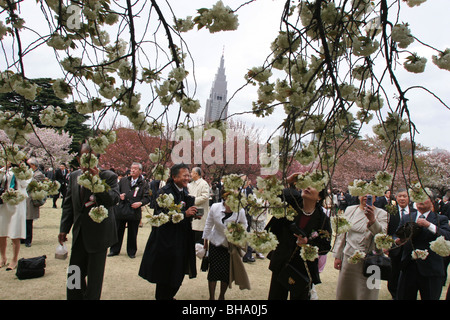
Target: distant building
{"points": [[216, 105]]}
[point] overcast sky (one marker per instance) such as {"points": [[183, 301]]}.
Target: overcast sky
{"points": [[249, 46]]}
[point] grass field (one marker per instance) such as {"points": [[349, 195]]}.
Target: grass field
{"points": [[121, 280]]}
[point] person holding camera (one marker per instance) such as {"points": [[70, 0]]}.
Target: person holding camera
{"points": [[199, 189], [366, 221], [310, 226]]}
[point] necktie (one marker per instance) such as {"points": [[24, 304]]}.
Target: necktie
{"points": [[422, 216], [403, 212]]}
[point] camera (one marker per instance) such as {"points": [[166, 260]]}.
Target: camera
{"points": [[369, 201], [200, 212]]}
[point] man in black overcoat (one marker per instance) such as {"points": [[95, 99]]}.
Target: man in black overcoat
{"points": [[170, 250]]}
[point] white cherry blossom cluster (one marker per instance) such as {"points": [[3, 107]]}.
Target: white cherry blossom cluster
{"points": [[236, 234], [376, 187], [263, 241], [88, 161], [383, 241], [102, 141], [93, 182], [315, 179], [309, 252], [357, 257], [39, 190], [442, 60], [159, 172], [53, 117], [340, 224], [12, 154], [413, 3], [402, 35], [415, 64], [419, 254], [418, 194], [12, 197], [61, 89], [98, 214], [392, 128], [15, 126], [22, 172], [441, 246]]}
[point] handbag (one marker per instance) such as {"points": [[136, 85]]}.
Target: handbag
{"points": [[124, 211], [379, 260], [205, 262], [31, 268], [291, 278]]}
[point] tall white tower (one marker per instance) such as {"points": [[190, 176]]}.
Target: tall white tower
{"points": [[216, 105]]}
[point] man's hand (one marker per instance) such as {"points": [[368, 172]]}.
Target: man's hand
{"points": [[62, 237], [122, 196], [423, 222], [191, 211], [136, 205]]}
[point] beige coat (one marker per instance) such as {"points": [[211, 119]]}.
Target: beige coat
{"points": [[352, 284], [33, 211], [238, 274], [200, 190]]}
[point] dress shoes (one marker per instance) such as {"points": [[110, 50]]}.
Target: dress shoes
{"points": [[248, 259], [112, 254], [132, 256]]}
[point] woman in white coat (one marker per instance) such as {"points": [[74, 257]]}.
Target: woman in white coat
{"points": [[12, 219], [216, 243]]}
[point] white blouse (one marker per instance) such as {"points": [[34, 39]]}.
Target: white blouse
{"points": [[214, 230]]}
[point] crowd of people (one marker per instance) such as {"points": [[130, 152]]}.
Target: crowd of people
{"points": [[172, 248]]}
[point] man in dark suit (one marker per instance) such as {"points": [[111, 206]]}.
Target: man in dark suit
{"points": [[90, 239], [402, 209], [170, 250], [445, 206], [425, 276], [133, 195], [61, 175], [382, 202]]}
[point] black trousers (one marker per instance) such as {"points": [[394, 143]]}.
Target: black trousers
{"points": [[133, 228], [85, 265], [392, 284], [411, 282], [29, 230]]}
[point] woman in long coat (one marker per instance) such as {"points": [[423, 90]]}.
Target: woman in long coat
{"points": [[316, 228]]}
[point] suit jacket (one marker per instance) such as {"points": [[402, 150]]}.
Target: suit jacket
{"points": [[138, 193], [445, 209], [433, 265], [96, 236], [394, 223], [381, 202], [61, 177], [170, 250]]}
